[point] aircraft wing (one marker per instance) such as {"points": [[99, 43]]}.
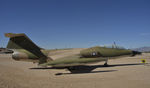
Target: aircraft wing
{"points": [[74, 60]]}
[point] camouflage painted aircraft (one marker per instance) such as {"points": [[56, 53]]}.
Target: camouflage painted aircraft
{"points": [[25, 50]]}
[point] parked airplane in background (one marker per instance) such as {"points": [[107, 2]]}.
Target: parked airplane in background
{"points": [[25, 50]]}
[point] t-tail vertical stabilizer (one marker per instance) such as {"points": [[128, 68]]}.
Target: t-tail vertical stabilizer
{"points": [[21, 41]]}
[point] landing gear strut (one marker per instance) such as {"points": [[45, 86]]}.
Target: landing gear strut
{"points": [[105, 64]]}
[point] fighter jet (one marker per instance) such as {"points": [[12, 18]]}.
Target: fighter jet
{"points": [[25, 50]]}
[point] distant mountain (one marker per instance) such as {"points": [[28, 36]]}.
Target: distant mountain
{"points": [[142, 49]]}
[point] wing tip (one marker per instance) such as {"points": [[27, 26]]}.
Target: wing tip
{"points": [[10, 35]]}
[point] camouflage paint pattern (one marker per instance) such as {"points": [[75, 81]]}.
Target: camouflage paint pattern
{"points": [[26, 50], [104, 52]]}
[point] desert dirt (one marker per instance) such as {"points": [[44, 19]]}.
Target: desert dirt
{"points": [[126, 72]]}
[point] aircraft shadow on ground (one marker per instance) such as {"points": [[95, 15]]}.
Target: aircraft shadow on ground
{"points": [[88, 69], [84, 72]]}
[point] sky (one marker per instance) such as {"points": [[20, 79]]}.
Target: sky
{"points": [[77, 23]]}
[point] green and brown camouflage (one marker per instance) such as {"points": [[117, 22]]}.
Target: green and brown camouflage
{"points": [[75, 60], [104, 52], [24, 55], [90, 55], [25, 50]]}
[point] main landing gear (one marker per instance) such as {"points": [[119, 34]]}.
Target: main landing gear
{"points": [[105, 64]]}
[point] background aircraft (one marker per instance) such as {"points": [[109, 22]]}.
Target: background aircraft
{"points": [[25, 50]]}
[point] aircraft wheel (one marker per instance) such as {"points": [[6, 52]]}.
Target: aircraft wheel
{"points": [[105, 65]]}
